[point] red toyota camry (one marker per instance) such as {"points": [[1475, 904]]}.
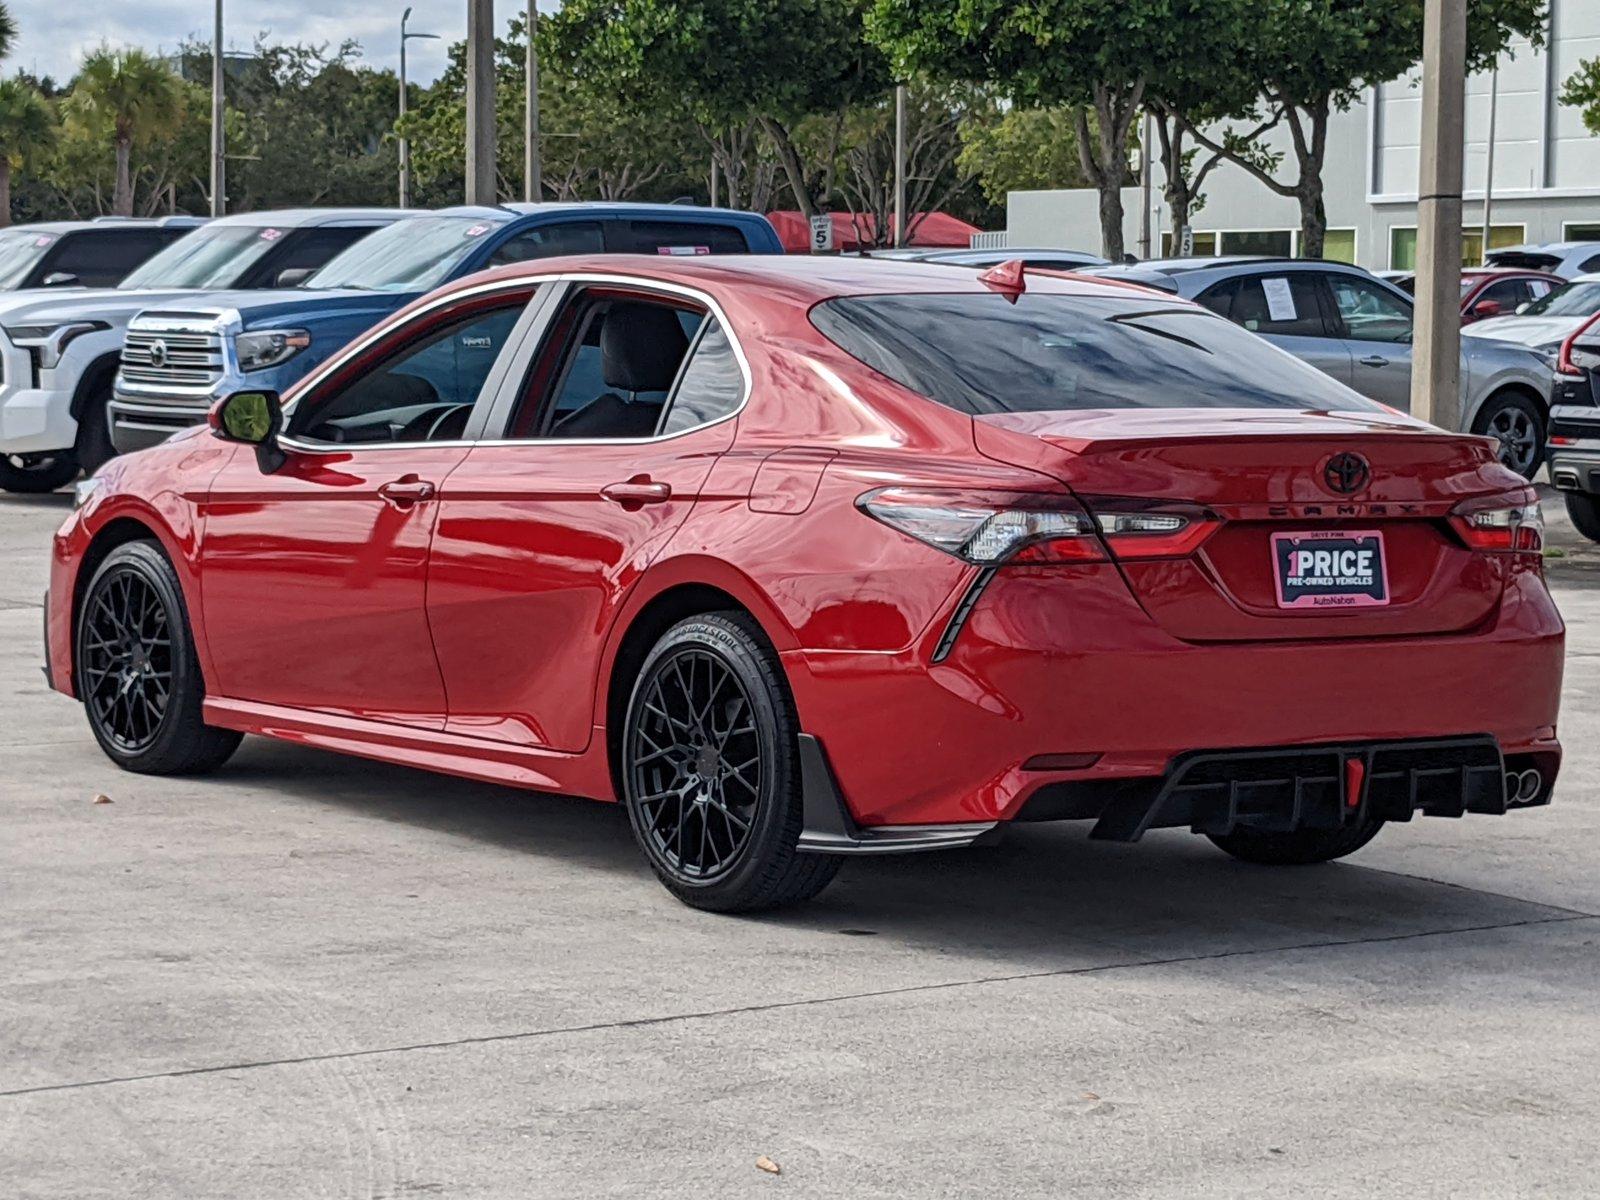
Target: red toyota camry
{"points": [[804, 558]]}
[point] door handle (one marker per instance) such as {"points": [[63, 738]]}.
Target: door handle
{"points": [[406, 491], [1374, 360], [636, 491]]}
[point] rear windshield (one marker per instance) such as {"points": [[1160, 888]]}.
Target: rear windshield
{"points": [[984, 354], [1577, 299]]}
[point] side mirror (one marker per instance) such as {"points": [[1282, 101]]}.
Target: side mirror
{"points": [[1486, 308], [294, 276], [251, 419], [59, 279]]}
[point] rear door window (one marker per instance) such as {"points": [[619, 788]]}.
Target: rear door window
{"points": [[1050, 352], [711, 386], [674, 237], [1287, 305]]}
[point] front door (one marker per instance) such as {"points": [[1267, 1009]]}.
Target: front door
{"points": [[1377, 329], [605, 446], [314, 576]]}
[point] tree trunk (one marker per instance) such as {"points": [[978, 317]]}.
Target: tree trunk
{"points": [[122, 196], [5, 191], [793, 168], [1313, 217]]}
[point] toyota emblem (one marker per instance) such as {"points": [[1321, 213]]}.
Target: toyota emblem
{"points": [[158, 353], [1346, 473]]}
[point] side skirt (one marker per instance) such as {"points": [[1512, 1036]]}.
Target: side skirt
{"points": [[426, 749]]}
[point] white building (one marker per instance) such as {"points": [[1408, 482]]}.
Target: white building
{"points": [[1546, 171]]}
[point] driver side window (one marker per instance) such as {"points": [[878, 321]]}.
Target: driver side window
{"points": [[422, 393]]}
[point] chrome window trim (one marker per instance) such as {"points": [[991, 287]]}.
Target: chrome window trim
{"points": [[540, 320]]}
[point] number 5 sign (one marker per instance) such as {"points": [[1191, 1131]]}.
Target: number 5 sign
{"points": [[821, 233]]}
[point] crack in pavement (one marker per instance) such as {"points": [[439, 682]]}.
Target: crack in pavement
{"points": [[778, 1005]]}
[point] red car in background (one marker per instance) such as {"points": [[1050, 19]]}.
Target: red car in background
{"points": [[805, 558], [1490, 291]]}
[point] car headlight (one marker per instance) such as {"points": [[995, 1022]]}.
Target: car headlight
{"points": [[269, 347], [49, 342]]}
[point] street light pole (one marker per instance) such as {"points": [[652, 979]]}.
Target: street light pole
{"points": [[480, 102], [1488, 170], [219, 166], [900, 165], [1436, 370], [532, 167], [405, 98]]}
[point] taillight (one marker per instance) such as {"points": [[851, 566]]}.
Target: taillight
{"points": [[1498, 526], [990, 528], [1022, 528], [1564, 364]]}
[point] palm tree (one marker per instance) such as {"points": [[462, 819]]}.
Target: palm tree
{"points": [[8, 31], [27, 128], [127, 96]]}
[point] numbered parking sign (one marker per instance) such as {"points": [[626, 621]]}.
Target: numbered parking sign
{"points": [[821, 234]]}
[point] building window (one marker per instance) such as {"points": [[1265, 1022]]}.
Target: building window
{"points": [[1339, 245], [1205, 244], [1275, 243], [1580, 231], [1403, 244]]}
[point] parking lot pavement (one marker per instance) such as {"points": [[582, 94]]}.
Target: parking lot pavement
{"points": [[314, 976]]}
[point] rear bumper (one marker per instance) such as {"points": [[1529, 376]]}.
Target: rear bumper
{"points": [[1068, 685]]}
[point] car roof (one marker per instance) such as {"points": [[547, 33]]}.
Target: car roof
{"points": [[802, 278], [307, 218], [515, 210], [60, 227]]}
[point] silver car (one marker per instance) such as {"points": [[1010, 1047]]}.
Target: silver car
{"points": [[1357, 328]]}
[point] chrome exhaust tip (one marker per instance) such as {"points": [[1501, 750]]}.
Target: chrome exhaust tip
{"points": [[1523, 787]]}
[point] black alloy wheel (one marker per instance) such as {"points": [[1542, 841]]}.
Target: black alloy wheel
{"points": [[1518, 428], [136, 670], [126, 646], [710, 769]]}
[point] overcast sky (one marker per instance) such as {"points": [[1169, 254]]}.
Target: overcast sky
{"points": [[53, 36]]}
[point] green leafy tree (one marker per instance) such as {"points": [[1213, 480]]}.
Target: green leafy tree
{"points": [[1025, 149], [1307, 61], [1099, 59], [27, 133], [1582, 91], [8, 31], [723, 64], [127, 98]]}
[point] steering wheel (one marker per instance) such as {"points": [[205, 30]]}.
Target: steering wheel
{"points": [[436, 425]]}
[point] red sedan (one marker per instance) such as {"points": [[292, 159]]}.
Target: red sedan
{"points": [[799, 559], [1491, 291]]}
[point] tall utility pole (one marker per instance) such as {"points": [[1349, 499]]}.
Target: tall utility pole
{"points": [[532, 167], [405, 98], [1488, 169], [219, 165], [900, 164], [1144, 187], [1436, 367], [480, 102]]}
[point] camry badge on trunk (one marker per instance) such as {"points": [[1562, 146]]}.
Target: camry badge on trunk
{"points": [[1346, 473]]}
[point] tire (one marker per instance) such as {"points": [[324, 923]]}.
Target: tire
{"points": [[120, 674], [1299, 848], [1584, 509], [695, 768], [94, 448], [44, 474], [1518, 424]]}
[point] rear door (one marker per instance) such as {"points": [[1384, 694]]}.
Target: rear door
{"points": [[1377, 328], [1289, 309], [605, 439]]}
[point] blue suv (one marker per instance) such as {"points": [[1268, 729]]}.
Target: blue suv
{"points": [[177, 361]]}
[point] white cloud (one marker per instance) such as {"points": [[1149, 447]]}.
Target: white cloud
{"points": [[53, 37]]}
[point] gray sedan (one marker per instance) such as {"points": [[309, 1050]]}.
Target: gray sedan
{"points": [[1357, 328]]}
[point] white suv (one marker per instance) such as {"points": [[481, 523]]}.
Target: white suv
{"points": [[59, 347]]}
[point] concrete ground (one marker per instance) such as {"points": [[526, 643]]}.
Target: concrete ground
{"points": [[314, 976]]}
